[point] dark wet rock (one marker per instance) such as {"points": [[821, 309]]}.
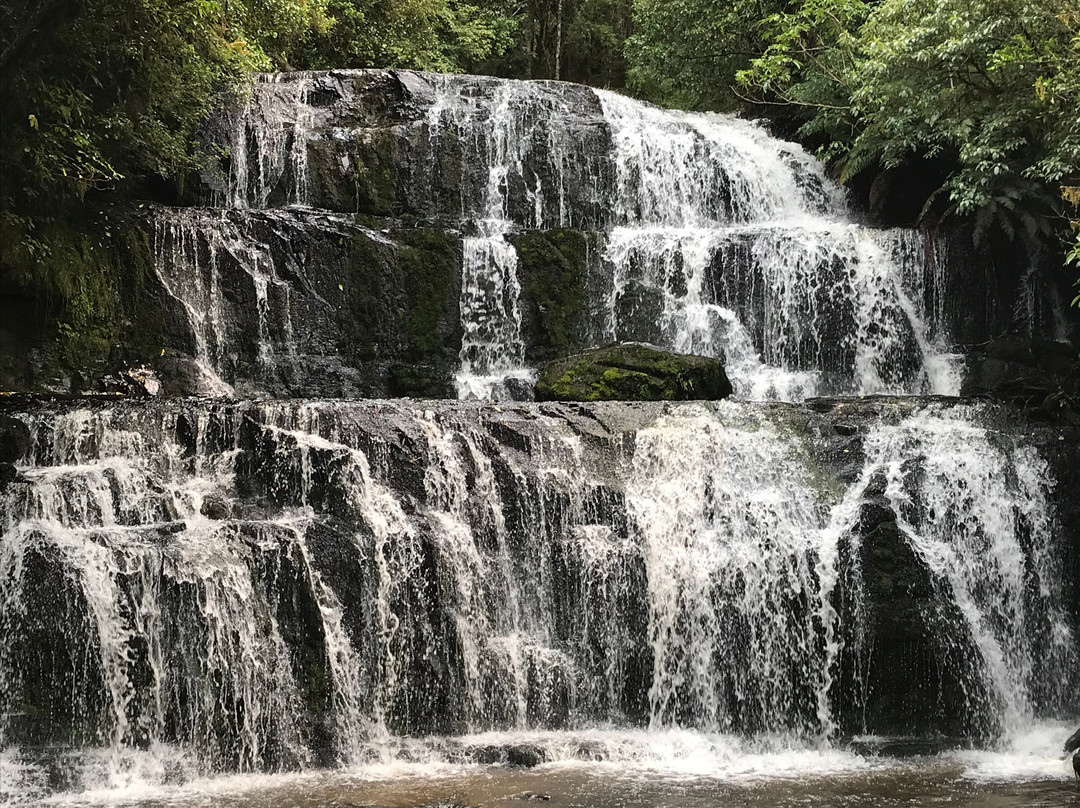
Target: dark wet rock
{"points": [[1015, 369], [638, 311], [1073, 743], [559, 308], [14, 439], [916, 640], [8, 475], [216, 507], [486, 755], [519, 389], [633, 372], [182, 375], [525, 755]]}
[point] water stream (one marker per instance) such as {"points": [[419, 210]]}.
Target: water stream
{"points": [[354, 601]]}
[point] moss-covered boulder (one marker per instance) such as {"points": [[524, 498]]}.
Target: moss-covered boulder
{"points": [[633, 372]]}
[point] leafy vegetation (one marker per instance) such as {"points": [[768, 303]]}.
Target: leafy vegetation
{"points": [[97, 94], [101, 95], [989, 89]]}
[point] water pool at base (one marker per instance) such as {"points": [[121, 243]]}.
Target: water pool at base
{"points": [[671, 769]]}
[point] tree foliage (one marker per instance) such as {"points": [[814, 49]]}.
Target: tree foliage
{"points": [[989, 84], [988, 88], [100, 94], [441, 35], [95, 91], [687, 52]]}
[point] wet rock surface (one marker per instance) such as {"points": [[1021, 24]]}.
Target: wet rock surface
{"points": [[310, 490], [633, 372]]}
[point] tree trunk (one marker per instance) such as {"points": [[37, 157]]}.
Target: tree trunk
{"points": [[558, 43]]}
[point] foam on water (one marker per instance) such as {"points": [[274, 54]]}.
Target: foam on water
{"points": [[672, 765], [1032, 753]]}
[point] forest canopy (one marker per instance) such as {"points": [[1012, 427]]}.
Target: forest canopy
{"points": [[982, 95]]}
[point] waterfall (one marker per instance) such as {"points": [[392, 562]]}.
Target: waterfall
{"points": [[976, 510], [714, 237], [265, 586], [268, 143], [732, 542], [323, 564], [741, 235], [513, 135]]}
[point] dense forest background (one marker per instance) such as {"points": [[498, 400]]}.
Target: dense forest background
{"points": [[930, 109]]}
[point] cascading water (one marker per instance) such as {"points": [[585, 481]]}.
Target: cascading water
{"points": [[191, 588], [733, 233], [714, 237], [731, 537], [276, 585], [515, 135], [976, 510], [268, 145]]}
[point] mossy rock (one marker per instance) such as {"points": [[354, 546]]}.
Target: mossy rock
{"points": [[633, 372], [82, 307], [558, 302], [400, 310]]}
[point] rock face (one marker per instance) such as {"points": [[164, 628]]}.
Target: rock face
{"points": [[1021, 370], [386, 233], [633, 372], [446, 568]]}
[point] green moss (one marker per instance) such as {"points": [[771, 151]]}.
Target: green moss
{"points": [[632, 373], [90, 285], [428, 264], [365, 290], [376, 160], [553, 271], [402, 308]]}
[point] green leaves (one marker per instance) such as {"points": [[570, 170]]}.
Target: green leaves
{"points": [[989, 89]]}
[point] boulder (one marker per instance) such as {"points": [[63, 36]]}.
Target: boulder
{"points": [[633, 372], [1073, 744], [15, 439], [525, 755], [8, 475]]}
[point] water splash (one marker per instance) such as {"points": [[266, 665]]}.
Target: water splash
{"points": [[733, 536], [976, 509]]}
